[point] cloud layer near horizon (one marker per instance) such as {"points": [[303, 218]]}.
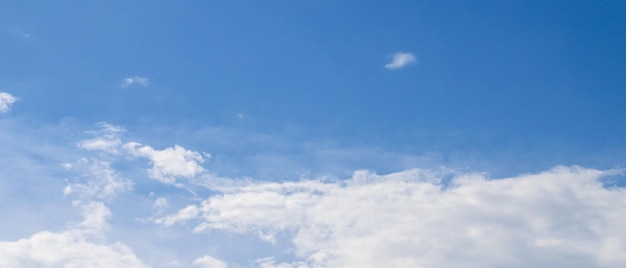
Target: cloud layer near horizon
{"points": [[563, 217], [78, 246]]}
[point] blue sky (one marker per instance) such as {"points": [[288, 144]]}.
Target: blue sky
{"points": [[159, 118]]}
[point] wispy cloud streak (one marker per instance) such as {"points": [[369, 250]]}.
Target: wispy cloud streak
{"points": [[6, 100], [400, 60], [136, 80]]}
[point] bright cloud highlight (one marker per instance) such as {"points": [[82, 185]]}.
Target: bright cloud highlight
{"points": [[6, 100], [563, 217], [400, 60]]}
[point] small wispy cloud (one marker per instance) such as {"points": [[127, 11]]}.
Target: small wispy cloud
{"points": [[400, 60], [135, 80], [6, 100], [107, 139]]}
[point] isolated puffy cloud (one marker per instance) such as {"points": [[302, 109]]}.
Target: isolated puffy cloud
{"points": [[209, 262], [97, 180], [75, 247], [135, 80], [400, 60], [6, 100], [107, 139], [169, 163], [563, 217]]}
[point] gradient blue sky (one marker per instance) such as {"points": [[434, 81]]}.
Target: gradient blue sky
{"points": [[284, 90]]}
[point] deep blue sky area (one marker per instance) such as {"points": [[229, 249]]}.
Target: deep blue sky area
{"points": [[494, 79]]}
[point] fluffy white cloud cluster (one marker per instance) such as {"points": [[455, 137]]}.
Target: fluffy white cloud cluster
{"points": [[563, 217], [400, 60], [75, 247], [169, 163], [6, 100]]}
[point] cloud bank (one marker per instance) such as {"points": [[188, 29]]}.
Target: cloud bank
{"points": [[6, 100], [400, 60], [76, 247], [563, 217]]}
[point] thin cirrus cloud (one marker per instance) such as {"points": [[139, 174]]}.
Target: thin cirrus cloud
{"points": [[106, 139], [400, 60], [6, 100], [97, 180], [135, 80]]}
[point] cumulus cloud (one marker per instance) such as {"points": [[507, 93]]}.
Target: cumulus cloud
{"points": [[169, 163], [6, 100], [562, 217], [209, 262], [400, 60], [135, 80], [107, 139], [76, 247]]}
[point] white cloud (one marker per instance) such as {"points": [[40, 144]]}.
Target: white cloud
{"points": [[169, 163], [6, 100], [97, 180], [135, 80], [64, 249], [107, 139], [183, 215], [160, 204], [209, 262], [563, 217], [70, 248], [400, 60]]}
